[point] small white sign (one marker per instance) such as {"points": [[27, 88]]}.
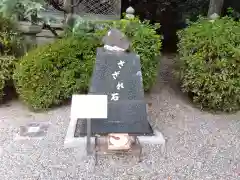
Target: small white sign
{"points": [[89, 106], [33, 129]]}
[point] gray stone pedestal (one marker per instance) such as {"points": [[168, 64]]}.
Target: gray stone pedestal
{"points": [[29, 32]]}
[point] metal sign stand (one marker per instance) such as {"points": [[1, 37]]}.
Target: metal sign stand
{"points": [[88, 107], [89, 134]]}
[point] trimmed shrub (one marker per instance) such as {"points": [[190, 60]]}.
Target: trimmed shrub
{"points": [[210, 63], [50, 74], [146, 43], [6, 25], [6, 70], [9, 37]]}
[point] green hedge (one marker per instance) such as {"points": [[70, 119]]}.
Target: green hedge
{"points": [[9, 37], [50, 74], [6, 70], [210, 63]]}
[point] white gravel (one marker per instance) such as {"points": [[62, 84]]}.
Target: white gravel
{"points": [[200, 145]]}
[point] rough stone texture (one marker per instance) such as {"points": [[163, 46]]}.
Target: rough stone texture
{"points": [[115, 37], [200, 145]]}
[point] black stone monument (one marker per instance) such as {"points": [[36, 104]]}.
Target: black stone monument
{"points": [[118, 75]]}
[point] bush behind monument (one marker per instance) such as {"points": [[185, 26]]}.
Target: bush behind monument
{"points": [[210, 63]]}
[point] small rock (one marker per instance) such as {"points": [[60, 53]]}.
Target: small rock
{"points": [[115, 38], [199, 165], [214, 16]]}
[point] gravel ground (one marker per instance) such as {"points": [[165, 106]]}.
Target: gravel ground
{"points": [[200, 145]]}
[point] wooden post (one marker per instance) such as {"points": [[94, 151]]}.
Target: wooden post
{"points": [[215, 6]]}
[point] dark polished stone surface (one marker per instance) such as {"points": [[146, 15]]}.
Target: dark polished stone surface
{"points": [[103, 81], [127, 113], [123, 117]]}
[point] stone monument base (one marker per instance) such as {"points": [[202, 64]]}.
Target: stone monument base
{"points": [[73, 142]]}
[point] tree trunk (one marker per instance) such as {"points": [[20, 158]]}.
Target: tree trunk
{"points": [[215, 6]]}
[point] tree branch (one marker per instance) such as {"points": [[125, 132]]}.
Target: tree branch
{"points": [[47, 26]]}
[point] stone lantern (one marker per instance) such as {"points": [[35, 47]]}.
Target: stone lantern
{"points": [[130, 13], [29, 32]]}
